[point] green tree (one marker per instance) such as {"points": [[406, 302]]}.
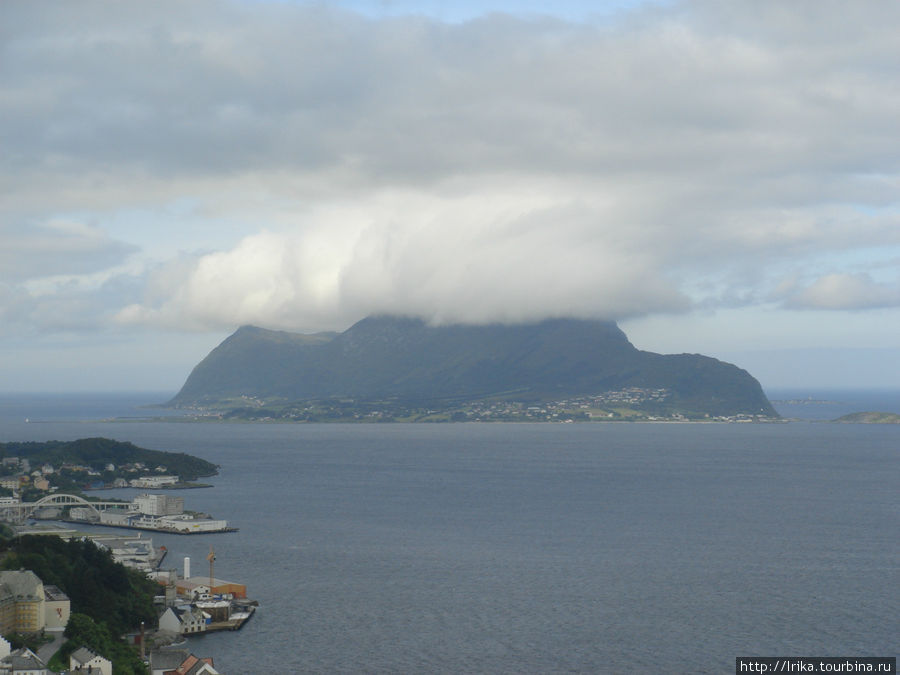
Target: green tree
{"points": [[96, 585], [83, 631]]}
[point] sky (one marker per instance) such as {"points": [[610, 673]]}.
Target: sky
{"points": [[719, 178]]}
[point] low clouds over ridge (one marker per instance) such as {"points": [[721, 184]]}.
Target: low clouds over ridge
{"points": [[481, 258], [499, 169]]}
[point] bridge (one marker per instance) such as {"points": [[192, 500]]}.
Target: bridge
{"points": [[19, 512]]}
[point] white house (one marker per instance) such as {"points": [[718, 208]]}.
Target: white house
{"points": [[83, 660], [183, 620]]}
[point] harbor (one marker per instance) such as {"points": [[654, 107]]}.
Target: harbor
{"points": [[150, 512], [188, 605], [201, 604]]}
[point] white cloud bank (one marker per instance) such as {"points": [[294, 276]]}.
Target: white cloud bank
{"points": [[699, 154], [480, 257]]}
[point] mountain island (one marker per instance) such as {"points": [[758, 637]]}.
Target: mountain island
{"points": [[389, 368]]}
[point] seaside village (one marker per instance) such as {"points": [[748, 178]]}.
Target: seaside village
{"points": [[187, 605], [148, 512]]}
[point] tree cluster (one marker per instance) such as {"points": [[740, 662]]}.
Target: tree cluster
{"points": [[83, 631], [95, 583]]}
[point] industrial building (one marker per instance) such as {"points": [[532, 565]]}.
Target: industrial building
{"points": [[159, 505], [198, 586], [135, 552]]}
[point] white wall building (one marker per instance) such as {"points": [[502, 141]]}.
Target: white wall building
{"points": [[135, 552], [116, 516], [83, 660], [57, 608], [159, 505], [189, 524], [152, 482], [183, 620]]}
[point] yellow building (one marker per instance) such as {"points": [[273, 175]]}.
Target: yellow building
{"points": [[24, 603]]}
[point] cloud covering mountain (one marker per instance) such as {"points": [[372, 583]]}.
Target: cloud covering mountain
{"points": [[197, 166]]}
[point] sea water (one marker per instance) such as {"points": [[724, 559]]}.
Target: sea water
{"points": [[502, 548]]}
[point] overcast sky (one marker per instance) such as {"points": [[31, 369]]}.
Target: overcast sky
{"points": [[720, 178]]}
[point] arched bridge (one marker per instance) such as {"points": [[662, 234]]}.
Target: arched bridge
{"points": [[19, 512]]}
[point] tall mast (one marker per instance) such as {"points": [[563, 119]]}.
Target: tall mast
{"points": [[212, 559]]}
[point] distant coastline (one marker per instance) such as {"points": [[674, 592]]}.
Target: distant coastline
{"points": [[77, 408], [869, 418]]}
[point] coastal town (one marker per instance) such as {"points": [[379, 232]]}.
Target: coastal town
{"points": [[23, 475], [628, 404], [34, 505], [186, 606], [29, 494]]}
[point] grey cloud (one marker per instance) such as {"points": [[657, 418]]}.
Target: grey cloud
{"points": [[57, 248], [212, 87], [679, 155]]}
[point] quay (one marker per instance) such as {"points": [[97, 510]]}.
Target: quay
{"points": [[201, 604], [164, 527], [150, 512]]}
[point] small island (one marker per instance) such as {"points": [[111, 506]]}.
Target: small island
{"points": [[402, 369], [869, 418]]}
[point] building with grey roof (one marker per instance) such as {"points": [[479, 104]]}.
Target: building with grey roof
{"points": [[84, 661], [25, 603], [23, 662]]}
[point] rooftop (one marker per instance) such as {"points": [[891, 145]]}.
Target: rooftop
{"points": [[53, 593]]}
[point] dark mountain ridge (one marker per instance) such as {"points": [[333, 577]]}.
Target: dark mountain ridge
{"points": [[401, 358]]}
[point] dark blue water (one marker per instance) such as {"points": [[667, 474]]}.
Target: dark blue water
{"points": [[540, 548]]}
